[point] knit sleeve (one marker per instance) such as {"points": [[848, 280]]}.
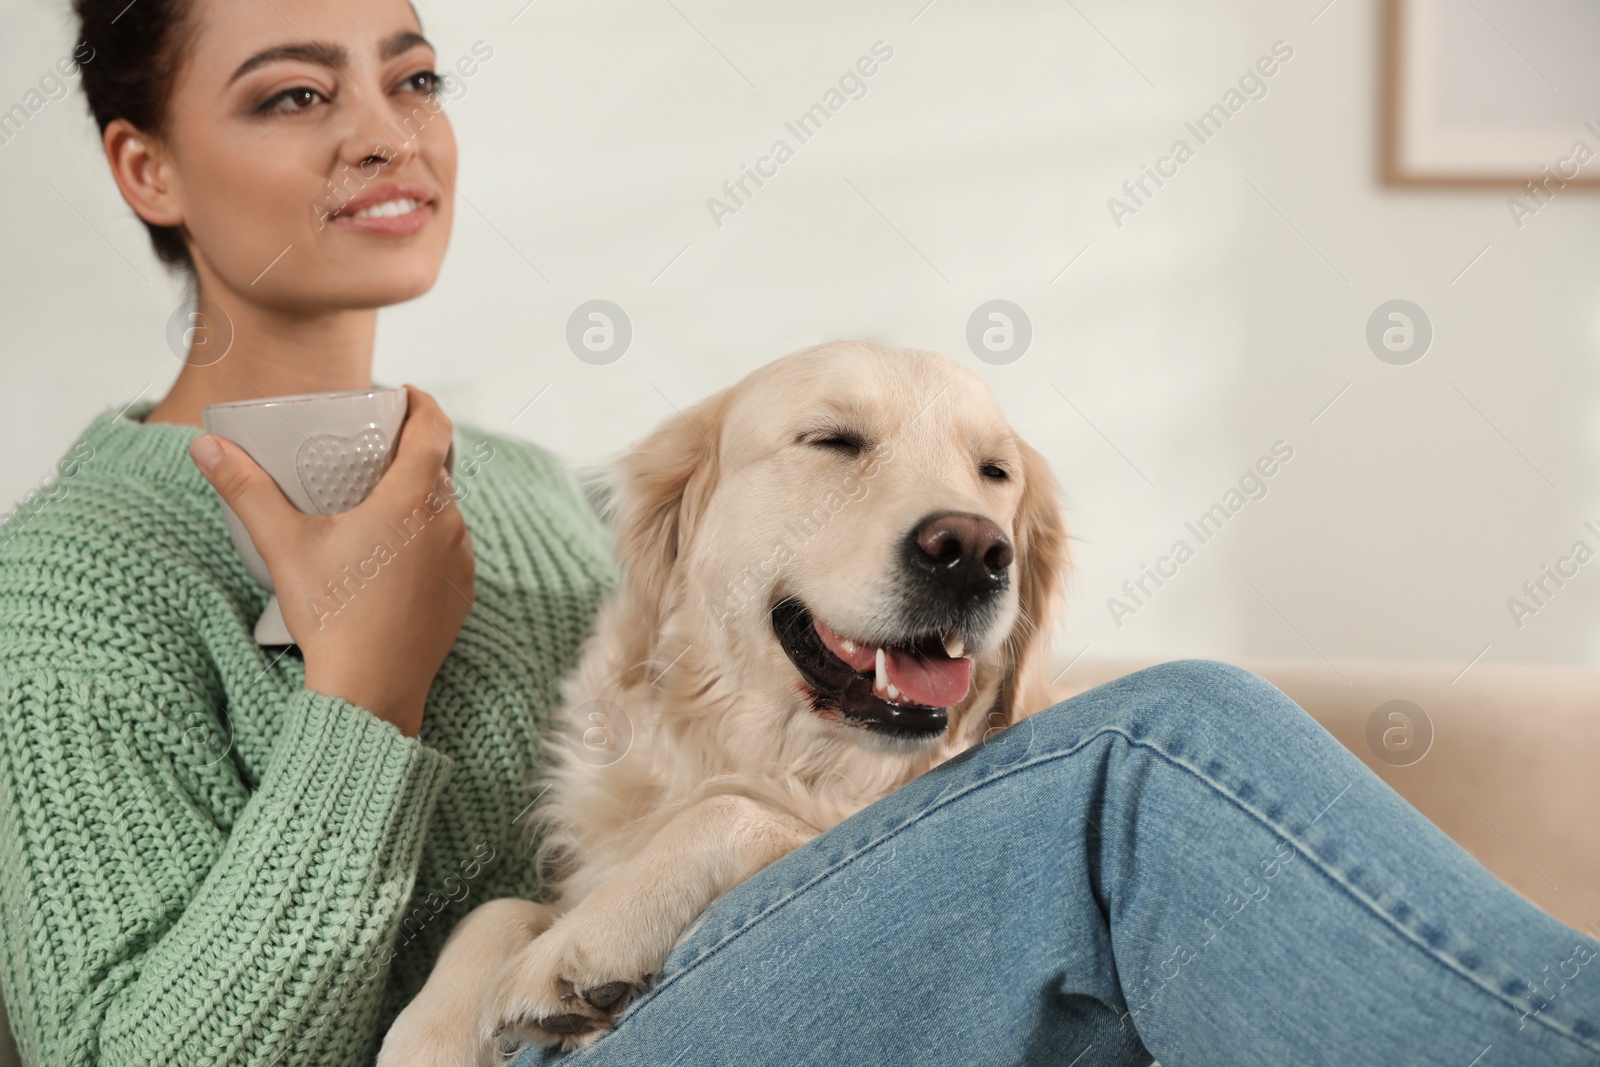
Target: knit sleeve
{"points": [[275, 954]]}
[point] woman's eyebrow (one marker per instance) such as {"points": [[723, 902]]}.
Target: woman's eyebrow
{"points": [[399, 43], [328, 54]]}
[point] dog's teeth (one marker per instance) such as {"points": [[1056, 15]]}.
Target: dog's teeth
{"points": [[953, 646], [894, 694], [849, 645], [881, 680]]}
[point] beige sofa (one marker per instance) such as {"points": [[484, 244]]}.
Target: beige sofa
{"points": [[1510, 772]]}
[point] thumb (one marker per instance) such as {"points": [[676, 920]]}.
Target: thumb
{"points": [[247, 489]]}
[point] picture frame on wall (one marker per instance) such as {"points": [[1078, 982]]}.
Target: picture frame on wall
{"points": [[1491, 94]]}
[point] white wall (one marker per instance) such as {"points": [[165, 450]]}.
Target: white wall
{"points": [[1219, 319]]}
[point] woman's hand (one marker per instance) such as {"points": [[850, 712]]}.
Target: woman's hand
{"points": [[373, 596]]}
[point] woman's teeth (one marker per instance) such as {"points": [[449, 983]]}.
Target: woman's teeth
{"points": [[388, 209]]}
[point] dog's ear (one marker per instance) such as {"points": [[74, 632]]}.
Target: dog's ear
{"points": [[1043, 557], [659, 489]]}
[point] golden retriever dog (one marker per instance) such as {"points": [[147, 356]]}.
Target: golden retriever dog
{"points": [[836, 573]]}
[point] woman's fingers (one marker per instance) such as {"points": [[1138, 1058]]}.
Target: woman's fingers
{"points": [[418, 464], [248, 490]]}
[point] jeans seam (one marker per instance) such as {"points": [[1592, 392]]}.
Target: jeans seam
{"points": [[1353, 892]]}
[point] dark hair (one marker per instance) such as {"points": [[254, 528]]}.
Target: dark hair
{"points": [[129, 56]]}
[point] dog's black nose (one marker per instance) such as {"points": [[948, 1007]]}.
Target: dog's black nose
{"points": [[967, 555]]}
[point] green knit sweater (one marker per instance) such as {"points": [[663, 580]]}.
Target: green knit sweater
{"points": [[202, 862]]}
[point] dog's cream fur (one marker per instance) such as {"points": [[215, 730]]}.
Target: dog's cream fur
{"points": [[729, 767]]}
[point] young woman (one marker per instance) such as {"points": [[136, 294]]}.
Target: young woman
{"points": [[219, 853]]}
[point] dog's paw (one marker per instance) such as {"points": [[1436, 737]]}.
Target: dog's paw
{"points": [[567, 987], [437, 1029]]}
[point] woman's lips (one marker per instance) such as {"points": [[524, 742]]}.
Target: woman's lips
{"points": [[394, 218]]}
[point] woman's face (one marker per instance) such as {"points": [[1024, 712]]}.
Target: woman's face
{"points": [[309, 151]]}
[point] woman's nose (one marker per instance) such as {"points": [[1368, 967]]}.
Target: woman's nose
{"points": [[379, 132]]}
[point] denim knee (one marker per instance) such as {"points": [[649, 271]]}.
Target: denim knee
{"points": [[1209, 682], [1184, 704]]}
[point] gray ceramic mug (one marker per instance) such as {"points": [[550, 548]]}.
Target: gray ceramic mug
{"points": [[326, 451]]}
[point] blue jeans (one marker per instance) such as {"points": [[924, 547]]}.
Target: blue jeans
{"points": [[1180, 865]]}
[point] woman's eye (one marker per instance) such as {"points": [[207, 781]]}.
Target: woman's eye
{"points": [[299, 98], [990, 470], [424, 81]]}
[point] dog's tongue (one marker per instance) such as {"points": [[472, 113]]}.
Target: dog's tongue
{"points": [[937, 681]]}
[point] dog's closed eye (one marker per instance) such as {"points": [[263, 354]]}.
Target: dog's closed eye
{"points": [[849, 442]]}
